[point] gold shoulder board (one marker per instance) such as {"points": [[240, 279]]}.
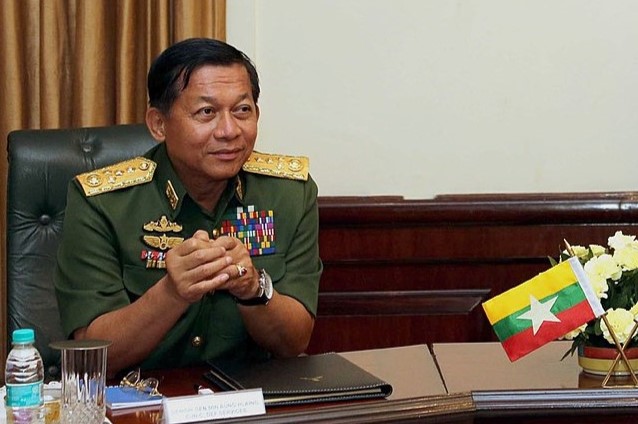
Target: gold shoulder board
{"points": [[282, 166], [114, 177]]}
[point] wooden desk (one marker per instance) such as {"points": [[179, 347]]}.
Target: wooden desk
{"points": [[418, 394], [460, 383], [538, 388]]}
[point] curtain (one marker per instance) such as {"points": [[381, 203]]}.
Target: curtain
{"points": [[74, 63]]}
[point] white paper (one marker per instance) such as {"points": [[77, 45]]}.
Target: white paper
{"points": [[190, 409]]}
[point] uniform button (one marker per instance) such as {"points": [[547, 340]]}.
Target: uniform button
{"points": [[215, 233], [197, 341]]}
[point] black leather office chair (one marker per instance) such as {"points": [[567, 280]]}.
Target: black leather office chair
{"points": [[41, 164]]}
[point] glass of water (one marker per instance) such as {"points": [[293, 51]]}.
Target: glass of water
{"points": [[83, 380]]}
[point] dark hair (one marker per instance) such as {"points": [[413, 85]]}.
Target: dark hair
{"points": [[170, 72]]}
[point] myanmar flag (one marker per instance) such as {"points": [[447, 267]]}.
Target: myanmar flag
{"points": [[543, 309]]}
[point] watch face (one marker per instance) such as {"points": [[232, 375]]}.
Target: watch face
{"points": [[268, 289], [265, 291]]}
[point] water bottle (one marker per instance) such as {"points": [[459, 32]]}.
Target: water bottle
{"points": [[24, 379]]}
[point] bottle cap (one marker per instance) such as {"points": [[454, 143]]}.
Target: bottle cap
{"points": [[23, 335]]}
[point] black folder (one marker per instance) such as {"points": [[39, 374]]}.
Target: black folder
{"points": [[304, 379]]}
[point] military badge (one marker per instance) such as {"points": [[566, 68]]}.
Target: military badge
{"points": [[279, 166], [154, 259], [256, 229], [114, 177], [163, 225], [171, 195], [163, 242]]}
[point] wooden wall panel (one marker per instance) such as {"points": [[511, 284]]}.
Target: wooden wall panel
{"points": [[400, 272]]}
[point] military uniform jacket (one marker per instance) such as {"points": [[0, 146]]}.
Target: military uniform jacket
{"points": [[114, 244]]}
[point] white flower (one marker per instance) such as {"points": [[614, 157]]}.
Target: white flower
{"points": [[619, 240], [627, 256], [600, 286], [572, 334], [621, 322], [597, 249], [613, 276], [603, 266]]}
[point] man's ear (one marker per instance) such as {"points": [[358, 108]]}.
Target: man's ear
{"points": [[155, 123]]}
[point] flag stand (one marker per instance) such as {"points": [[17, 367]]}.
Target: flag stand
{"points": [[621, 353], [619, 347]]}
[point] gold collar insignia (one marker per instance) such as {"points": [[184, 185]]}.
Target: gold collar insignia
{"points": [[171, 194], [239, 189]]}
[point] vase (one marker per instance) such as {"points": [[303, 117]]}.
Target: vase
{"points": [[598, 360]]}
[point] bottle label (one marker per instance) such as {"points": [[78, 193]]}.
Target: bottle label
{"points": [[24, 395]]}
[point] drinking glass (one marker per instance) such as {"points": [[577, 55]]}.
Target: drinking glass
{"points": [[83, 380]]}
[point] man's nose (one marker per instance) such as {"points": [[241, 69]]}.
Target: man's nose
{"points": [[226, 126]]}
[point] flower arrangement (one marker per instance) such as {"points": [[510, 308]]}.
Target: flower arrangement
{"points": [[613, 273]]}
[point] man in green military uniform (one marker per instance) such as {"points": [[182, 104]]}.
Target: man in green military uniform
{"points": [[202, 248]]}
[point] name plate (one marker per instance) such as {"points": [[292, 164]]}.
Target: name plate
{"points": [[190, 409]]}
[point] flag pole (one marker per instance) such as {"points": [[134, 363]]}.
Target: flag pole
{"points": [[568, 247]]}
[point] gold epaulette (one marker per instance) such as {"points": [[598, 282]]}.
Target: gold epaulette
{"points": [[282, 166], [114, 177]]}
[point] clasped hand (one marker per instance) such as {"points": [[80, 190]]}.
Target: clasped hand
{"points": [[201, 265]]}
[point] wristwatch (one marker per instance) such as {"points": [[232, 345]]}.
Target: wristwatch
{"points": [[265, 291]]}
